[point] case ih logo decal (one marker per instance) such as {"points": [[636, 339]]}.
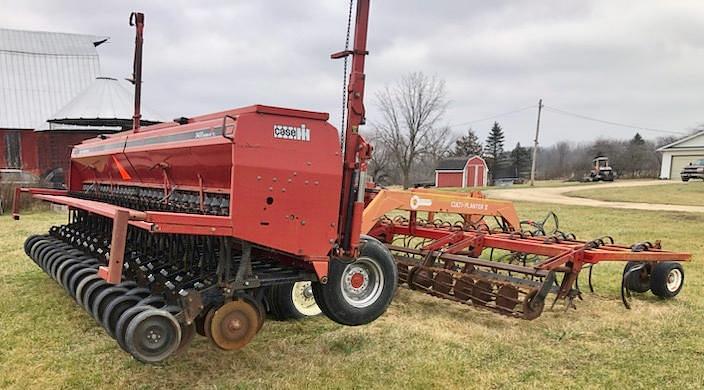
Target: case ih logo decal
{"points": [[294, 133]]}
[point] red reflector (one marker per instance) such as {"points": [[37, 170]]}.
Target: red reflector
{"points": [[121, 169]]}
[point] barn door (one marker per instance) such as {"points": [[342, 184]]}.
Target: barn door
{"points": [[12, 150]]}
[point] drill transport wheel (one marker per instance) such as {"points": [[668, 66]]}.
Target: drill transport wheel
{"points": [[292, 301], [234, 324], [359, 292], [153, 335]]}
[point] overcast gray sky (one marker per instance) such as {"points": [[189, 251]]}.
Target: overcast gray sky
{"points": [[633, 62]]}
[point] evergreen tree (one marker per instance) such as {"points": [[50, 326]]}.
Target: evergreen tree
{"points": [[468, 145], [636, 152], [520, 160], [494, 148]]}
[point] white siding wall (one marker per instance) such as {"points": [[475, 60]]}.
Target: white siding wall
{"points": [[667, 155]]}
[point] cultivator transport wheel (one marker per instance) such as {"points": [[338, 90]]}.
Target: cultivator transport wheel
{"points": [[637, 276], [358, 292], [234, 324], [667, 279], [292, 301]]}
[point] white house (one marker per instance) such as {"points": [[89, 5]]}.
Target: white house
{"points": [[680, 153]]}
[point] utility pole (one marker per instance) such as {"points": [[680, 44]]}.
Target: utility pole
{"points": [[535, 144]]}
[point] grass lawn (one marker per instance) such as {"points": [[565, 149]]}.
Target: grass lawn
{"points": [[538, 183], [687, 194], [46, 341]]}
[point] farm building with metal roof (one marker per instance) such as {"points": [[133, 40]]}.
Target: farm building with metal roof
{"points": [[51, 98]]}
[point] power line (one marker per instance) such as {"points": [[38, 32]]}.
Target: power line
{"points": [[563, 112], [493, 116]]}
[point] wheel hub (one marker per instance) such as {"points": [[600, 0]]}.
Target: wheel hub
{"points": [[674, 280], [303, 299], [362, 282], [233, 325], [357, 280]]}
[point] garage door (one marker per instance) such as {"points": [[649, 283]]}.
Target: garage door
{"points": [[678, 163]]}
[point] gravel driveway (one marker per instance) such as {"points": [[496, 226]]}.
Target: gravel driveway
{"points": [[556, 195]]}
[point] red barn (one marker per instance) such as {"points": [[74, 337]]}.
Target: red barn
{"points": [[461, 172]]}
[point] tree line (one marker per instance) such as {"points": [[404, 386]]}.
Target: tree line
{"points": [[410, 138]]}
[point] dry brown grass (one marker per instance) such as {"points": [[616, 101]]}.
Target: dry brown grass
{"points": [[46, 341]]}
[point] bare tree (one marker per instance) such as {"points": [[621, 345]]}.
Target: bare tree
{"points": [[409, 129], [381, 167]]}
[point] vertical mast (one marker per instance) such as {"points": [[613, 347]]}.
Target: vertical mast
{"points": [[137, 20], [357, 151]]}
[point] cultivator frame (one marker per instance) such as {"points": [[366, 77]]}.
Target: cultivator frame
{"points": [[447, 257]]}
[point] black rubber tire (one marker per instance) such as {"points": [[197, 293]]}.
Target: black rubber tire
{"points": [[29, 242], [200, 321], [50, 258], [62, 268], [39, 244], [68, 272], [281, 304], [42, 253], [102, 300], [56, 264], [92, 292], [146, 322], [76, 279], [115, 309], [124, 321], [662, 272], [141, 292], [188, 332], [156, 301], [638, 281], [331, 299], [83, 285]]}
